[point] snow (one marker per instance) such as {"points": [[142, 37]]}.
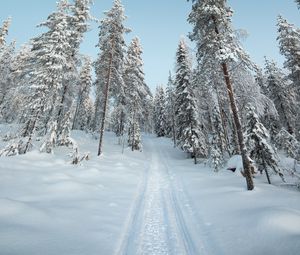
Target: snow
{"points": [[151, 202]]}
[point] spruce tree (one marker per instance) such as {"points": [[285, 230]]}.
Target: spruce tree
{"points": [[258, 146], [288, 143], [189, 134], [289, 44], [160, 112], [6, 59], [216, 41], [83, 112], [282, 95], [4, 32], [170, 110], [136, 91], [48, 63]]}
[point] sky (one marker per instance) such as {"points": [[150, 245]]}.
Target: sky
{"points": [[159, 24]]}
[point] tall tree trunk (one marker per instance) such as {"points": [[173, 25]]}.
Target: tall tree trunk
{"points": [[105, 103], [60, 111], [266, 171], [238, 125], [79, 102], [246, 161]]}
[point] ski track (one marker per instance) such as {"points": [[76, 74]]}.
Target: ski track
{"points": [[162, 220]]}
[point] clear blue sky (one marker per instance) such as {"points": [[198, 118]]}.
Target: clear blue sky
{"points": [[159, 24]]}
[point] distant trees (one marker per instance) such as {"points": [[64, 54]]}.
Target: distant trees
{"points": [[160, 119]]}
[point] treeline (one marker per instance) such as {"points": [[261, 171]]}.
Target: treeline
{"points": [[46, 87]]}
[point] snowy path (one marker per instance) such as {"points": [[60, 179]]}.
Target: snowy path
{"points": [[155, 202], [162, 221]]}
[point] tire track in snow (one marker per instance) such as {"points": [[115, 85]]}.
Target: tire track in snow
{"points": [[199, 234], [157, 223], [128, 238]]}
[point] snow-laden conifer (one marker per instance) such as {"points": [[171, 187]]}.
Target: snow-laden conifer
{"points": [[216, 41], [109, 66], [258, 145], [84, 109], [160, 112], [190, 136]]}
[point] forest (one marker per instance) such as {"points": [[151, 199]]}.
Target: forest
{"points": [[219, 110]]}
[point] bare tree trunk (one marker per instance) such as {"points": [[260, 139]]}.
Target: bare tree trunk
{"points": [[79, 102], [105, 103], [60, 111], [238, 125], [246, 161]]}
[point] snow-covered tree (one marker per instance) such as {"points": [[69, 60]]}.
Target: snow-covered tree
{"points": [[110, 64], [216, 155], [216, 41], [160, 112], [170, 109], [48, 63], [288, 143], [258, 145], [78, 22], [134, 135], [6, 59], [282, 95], [189, 134], [50, 141], [219, 130], [4, 31], [84, 113], [289, 44], [136, 91], [15, 102]]}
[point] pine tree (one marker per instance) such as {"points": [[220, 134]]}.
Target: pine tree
{"points": [[83, 112], [259, 149], [12, 108], [6, 59], [282, 95], [189, 134], [288, 143], [216, 155], [217, 42], [160, 112], [4, 32], [48, 63], [136, 91], [50, 142], [289, 44], [170, 110], [110, 63], [77, 20]]}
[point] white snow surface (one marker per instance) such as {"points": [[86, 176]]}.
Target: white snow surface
{"points": [[151, 202]]}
